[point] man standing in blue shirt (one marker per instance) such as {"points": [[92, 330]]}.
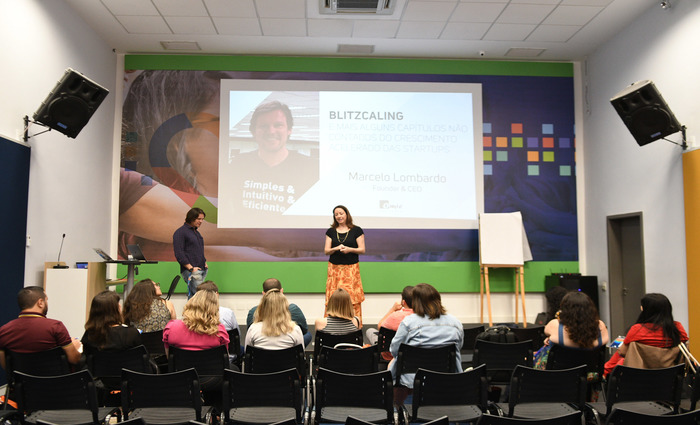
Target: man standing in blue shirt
{"points": [[188, 245]]}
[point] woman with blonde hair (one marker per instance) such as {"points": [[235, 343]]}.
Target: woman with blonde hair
{"points": [[145, 309], [199, 328], [339, 312], [273, 328]]}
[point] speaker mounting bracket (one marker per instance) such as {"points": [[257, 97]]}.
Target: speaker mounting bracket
{"points": [[26, 128]]}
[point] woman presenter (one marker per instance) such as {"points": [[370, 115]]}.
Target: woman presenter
{"points": [[344, 243]]}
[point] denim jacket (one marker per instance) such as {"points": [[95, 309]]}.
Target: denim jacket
{"points": [[425, 332]]}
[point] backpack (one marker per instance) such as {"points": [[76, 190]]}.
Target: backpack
{"points": [[498, 333]]}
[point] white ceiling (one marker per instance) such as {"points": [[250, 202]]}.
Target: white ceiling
{"points": [[543, 30]]}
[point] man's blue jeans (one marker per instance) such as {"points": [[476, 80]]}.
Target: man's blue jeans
{"points": [[193, 280]]}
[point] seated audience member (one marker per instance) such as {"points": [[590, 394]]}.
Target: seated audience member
{"points": [[144, 308], [32, 331], [428, 326], [199, 328], [339, 318], [296, 313], [655, 327], [577, 324], [392, 318], [104, 330], [226, 315], [273, 328]]}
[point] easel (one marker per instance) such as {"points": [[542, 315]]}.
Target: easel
{"points": [[519, 287], [502, 244]]}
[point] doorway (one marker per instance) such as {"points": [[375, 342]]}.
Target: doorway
{"points": [[626, 285]]}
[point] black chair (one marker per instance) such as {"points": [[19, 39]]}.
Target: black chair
{"points": [[169, 398], [331, 340], [173, 285], [368, 397], [135, 421], [627, 417], [640, 390], [153, 341], [533, 333], [234, 347], [570, 419], [209, 364], [384, 337], [460, 396], [106, 369], [262, 398], [540, 394], [348, 360], [260, 360], [351, 420], [561, 357], [470, 334], [51, 362], [502, 358], [63, 399], [439, 359]]}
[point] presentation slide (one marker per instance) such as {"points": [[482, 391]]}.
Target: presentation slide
{"points": [[398, 155]]}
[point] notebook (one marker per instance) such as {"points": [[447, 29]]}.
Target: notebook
{"points": [[103, 254], [136, 252]]}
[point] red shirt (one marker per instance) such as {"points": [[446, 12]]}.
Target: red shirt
{"points": [[33, 332]]}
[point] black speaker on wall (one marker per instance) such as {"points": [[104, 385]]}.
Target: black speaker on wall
{"points": [[645, 112], [71, 103]]}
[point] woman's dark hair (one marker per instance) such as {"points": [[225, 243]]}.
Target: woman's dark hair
{"points": [[658, 313], [580, 317], [348, 217], [138, 302], [426, 301], [104, 313], [554, 295]]}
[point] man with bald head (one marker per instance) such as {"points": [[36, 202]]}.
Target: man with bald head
{"points": [[297, 315]]}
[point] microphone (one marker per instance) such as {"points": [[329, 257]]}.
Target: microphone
{"points": [[58, 261]]}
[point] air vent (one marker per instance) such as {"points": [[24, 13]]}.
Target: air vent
{"points": [[374, 7]]}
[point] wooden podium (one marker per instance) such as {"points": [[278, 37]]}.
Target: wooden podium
{"points": [[71, 291]]}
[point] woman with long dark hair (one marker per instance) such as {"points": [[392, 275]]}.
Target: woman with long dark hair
{"points": [[145, 309], [577, 324], [344, 242], [104, 329], [655, 327]]}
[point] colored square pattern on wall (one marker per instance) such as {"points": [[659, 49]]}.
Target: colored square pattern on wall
{"points": [[533, 156], [533, 142], [501, 142], [516, 142], [565, 170], [501, 156], [548, 156], [533, 170], [488, 156], [516, 128], [548, 142], [488, 141]]}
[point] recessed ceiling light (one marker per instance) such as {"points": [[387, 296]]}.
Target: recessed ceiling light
{"points": [[180, 45]]}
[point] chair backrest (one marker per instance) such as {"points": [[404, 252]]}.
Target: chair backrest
{"points": [[234, 345], [533, 333], [330, 340], [371, 390], [360, 360], [501, 358], [209, 362], [627, 417], [153, 341], [173, 285], [260, 360], [276, 389], [528, 385], [573, 418], [439, 359], [470, 334], [450, 389], [72, 391], [384, 337], [561, 357], [632, 384], [107, 365], [176, 389], [645, 356], [51, 362]]}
